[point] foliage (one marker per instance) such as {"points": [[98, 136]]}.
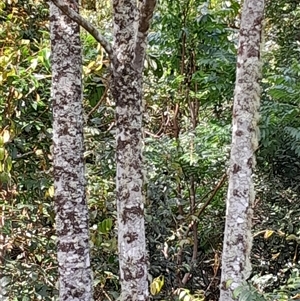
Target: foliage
{"points": [[167, 230], [282, 19], [254, 291], [25, 180], [189, 79]]}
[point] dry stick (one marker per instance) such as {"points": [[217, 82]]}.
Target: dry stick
{"points": [[216, 268], [216, 189], [107, 296], [151, 134], [72, 14], [163, 125]]}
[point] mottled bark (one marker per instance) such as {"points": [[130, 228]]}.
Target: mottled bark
{"points": [[75, 278], [3, 288], [131, 25], [236, 265]]}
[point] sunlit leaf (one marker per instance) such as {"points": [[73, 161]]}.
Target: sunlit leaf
{"points": [[268, 233], [5, 136], [51, 191]]}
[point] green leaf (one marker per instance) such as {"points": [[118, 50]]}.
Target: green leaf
{"points": [[245, 295], [228, 283], [2, 153], [8, 164], [105, 226]]}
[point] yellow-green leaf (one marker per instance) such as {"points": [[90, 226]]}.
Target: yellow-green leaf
{"points": [[268, 233], [153, 288], [182, 294], [39, 152], [2, 153], [34, 63], [6, 136], [292, 237], [156, 285], [187, 298], [51, 191], [228, 283]]}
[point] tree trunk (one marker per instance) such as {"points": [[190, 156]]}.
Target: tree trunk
{"points": [[3, 285], [75, 277], [236, 265], [131, 24], [127, 92], [130, 31]]}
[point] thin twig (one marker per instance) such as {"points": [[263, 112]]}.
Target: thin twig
{"points": [[191, 225], [99, 102], [216, 189]]}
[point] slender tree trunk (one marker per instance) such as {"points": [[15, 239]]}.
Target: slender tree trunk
{"points": [[2, 236], [131, 25], [236, 265], [127, 93], [75, 277], [3, 286]]}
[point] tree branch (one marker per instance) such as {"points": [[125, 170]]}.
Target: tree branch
{"points": [[146, 13], [147, 10], [214, 192], [85, 24]]}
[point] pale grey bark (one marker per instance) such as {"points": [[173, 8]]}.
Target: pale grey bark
{"points": [[131, 24], [75, 277], [2, 236], [3, 285], [236, 265]]}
